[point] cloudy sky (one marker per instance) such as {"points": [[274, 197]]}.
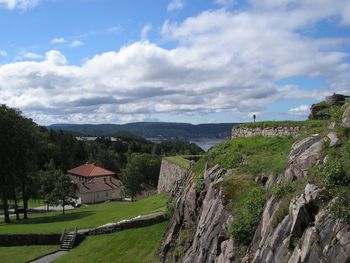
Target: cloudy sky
{"points": [[198, 61]]}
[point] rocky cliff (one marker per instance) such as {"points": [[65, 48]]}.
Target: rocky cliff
{"points": [[300, 221]]}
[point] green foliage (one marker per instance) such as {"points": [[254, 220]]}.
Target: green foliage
{"points": [[199, 166], [340, 207], [170, 207], [179, 251], [247, 214], [336, 113], [169, 148], [141, 168], [179, 160], [64, 191], [253, 155], [335, 175], [289, 189], [282, 190], [131, 246]]}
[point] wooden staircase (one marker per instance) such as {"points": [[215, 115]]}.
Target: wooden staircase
{"points": [[68, 239]]}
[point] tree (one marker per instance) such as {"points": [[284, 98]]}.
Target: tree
{"points": [[64, 192], [140, 169], [16, 140]]}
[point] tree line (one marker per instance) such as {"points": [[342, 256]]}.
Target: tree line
{"points": [[34, 161]]}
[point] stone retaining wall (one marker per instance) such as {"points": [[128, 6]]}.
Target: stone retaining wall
{"points": [[280, 131], [168, 175], [126, 224]]}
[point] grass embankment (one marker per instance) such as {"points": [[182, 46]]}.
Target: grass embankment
{"points": [[253, 155], [22, 254], [179, 160], [132, 246], [84, 217]]}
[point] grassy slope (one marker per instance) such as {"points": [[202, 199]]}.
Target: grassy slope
{"points": [[22, 254], [179, 161], [253, 155], [132, 246], [84, 217]]}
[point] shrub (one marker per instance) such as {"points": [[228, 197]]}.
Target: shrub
{"points": [[247, 215], [335, 174], [340, 207], [282, 190]]}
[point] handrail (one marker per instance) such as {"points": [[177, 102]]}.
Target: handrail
{"points": [[63, 234]]}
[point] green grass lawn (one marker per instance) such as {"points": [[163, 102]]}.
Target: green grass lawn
{"points": [[179, 161], [130, 246], [84, 217], [23, 254]]}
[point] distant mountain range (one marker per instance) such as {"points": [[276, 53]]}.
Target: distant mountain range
{"points": [[156, 130]]}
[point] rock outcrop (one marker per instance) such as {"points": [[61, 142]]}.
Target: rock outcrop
{"points": [[295, 228], [198, 229], [169, 174], [304, 154], [281, 131]]}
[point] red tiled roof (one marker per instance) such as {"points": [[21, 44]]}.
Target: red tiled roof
{"points": [[90, 170]]}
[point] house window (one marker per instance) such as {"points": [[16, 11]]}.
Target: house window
{"points": [[106, 194]]}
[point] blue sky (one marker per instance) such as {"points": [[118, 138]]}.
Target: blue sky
{"points": [[107, 61]]}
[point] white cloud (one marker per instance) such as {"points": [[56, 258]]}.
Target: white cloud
{"points": [[3, 53], [58, 40], [302, 110], [145, 30], [20, 4], [175, 5], [76, 43], [31, 55], [222, 62]]}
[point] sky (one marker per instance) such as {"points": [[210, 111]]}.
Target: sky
{"points": [[197, 61]]}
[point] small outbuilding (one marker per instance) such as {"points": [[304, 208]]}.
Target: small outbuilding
{"points": [[96, 184]]}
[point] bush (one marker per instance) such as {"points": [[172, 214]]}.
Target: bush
{"points": [[340, 207], [335, 174], [247, 215], [282, 190]]}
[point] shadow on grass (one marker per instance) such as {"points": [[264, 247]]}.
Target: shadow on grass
{"points": [[51, 219]]}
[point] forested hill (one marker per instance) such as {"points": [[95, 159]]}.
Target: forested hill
{"points": [[166, 130]]}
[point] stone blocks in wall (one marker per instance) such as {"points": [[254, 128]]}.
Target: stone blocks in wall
{"points": [[169, 174], [280, 131]]}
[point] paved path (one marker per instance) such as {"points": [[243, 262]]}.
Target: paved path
{"points": [[51, 257]]}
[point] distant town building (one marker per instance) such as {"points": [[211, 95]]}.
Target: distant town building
{"points": [[96, 184]]}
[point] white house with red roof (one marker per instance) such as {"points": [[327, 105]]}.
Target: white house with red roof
{"points": [[96, 184]]}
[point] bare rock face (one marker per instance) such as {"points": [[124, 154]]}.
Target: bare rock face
{"points": [[207, 240], [333, 139], [305, 234], [346, 118], [303, 156]]}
